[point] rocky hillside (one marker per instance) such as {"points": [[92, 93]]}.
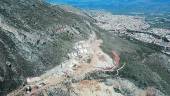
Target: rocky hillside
{"points": [[58, 50], [35, 37]]}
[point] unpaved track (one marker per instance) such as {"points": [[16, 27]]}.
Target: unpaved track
{"points": [[79, 71]]}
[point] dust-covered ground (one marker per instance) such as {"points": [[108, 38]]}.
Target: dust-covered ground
{"points": [[54, 50]]}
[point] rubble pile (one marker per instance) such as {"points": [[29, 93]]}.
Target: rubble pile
{"points": [[86, 58]]}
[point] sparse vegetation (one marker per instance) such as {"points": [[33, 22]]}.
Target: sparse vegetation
{"points": [[32, 56]]}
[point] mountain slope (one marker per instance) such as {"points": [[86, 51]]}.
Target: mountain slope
{"points": [[36, 37]]}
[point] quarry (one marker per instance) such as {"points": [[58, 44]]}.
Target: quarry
{"points": [[59, 50]]}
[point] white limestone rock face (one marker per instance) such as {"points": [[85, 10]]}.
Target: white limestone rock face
{"points": [[29, 38], [55, 46], [168, 37]]}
